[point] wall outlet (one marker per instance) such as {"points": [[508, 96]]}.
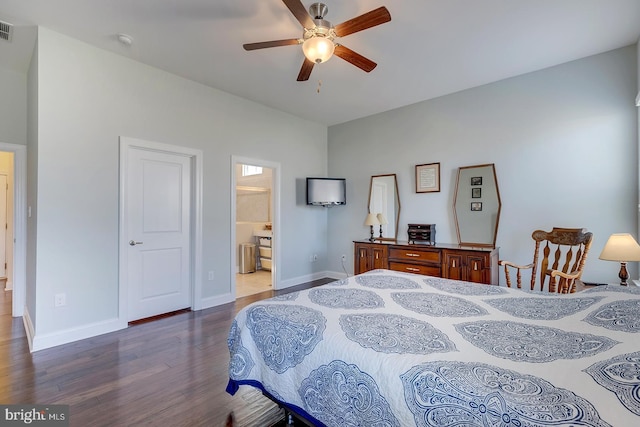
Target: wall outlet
{"points": [[211, 275], [60, 300]]}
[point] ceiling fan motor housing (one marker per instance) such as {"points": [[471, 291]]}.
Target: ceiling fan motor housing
{"points": [[318, 10]]}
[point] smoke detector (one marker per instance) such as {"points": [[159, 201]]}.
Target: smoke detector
{"points": [[125, 39]]}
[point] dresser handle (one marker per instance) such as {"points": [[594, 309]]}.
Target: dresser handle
{"points": [[475, 266], [377, 255], [412, 269], [453, 263], [408, 254]]}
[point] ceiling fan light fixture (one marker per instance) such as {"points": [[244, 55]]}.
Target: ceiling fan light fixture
{"points": [[318, 49]]}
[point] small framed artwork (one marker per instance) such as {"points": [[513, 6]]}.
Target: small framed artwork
{"points": [[476, 193], [476, 206], [476, 180], [428, 178]]}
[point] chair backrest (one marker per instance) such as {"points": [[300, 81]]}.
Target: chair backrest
{"points": [[563, 249]]}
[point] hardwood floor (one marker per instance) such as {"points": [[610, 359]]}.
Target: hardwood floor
{"points": [[169, 372]]}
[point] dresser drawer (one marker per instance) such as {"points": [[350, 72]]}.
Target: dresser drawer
{"points": [[415, 255], [428, 270]]}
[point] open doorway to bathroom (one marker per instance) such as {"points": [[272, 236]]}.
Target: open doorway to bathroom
{"points": [[254, 208]]}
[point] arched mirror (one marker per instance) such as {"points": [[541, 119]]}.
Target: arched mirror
{"points": [[384, 203], [476, 205]]}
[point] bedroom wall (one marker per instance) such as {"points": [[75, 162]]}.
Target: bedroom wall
{"points": [[564, 141], [87, 98], [13, 109]]}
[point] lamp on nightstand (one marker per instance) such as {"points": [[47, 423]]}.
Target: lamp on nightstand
{"points": [[382, 220], [621, 247], [371, 220]]}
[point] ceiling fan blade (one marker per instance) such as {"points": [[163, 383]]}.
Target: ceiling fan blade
{"points": [[370, 19], [355, 58], [274, 43], [305, 71], [300, 12]]}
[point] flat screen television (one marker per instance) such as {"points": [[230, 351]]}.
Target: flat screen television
{"points": [[326, 191]]}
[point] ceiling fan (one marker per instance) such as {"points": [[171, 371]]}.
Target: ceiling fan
{"points": [[318, 36]]}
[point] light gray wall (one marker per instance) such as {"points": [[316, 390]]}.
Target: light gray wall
{"points": [[32, 184], [13, 108], [86, 99], [564, 141]]}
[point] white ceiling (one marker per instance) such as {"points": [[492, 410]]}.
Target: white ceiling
{"points": [[429, 49]]}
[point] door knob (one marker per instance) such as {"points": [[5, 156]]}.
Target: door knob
{"points": [[133, 243]]}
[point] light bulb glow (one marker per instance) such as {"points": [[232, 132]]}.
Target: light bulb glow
{"points": [[318, 49]]}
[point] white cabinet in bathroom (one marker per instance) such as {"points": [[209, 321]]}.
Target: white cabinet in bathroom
{"points": [[265, 247]]}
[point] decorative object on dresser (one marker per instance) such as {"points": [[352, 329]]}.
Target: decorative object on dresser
{"points": [[383, 221], [422, 233], [476, 205], [621, 247], [385, 201], [371, 220], [567, 246], [428, 178], [450, 261]]}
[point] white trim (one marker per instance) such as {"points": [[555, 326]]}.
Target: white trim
{"points": [[196, 156], [308, 278], [19, 226], [43, 341], [28, 328], [217, 300], [276, 241]]}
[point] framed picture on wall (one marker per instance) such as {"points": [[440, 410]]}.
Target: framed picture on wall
{"points": [[476, 193], [428, 178], [476, 206], [476, 180]]}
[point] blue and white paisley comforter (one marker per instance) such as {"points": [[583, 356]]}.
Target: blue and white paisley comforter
{"points": [[393, 349]]}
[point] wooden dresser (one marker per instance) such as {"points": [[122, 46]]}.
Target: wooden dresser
{"points": [[451, 261]]}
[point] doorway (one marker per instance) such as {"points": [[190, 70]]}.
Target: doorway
{"points": [[255, 185], [13, 163]]}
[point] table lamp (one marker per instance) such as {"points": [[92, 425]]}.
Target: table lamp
{"points": [[621, 247], [382, 220], [371, 220]]}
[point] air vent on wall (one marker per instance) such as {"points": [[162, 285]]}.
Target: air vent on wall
{"points": [[6, 31]]}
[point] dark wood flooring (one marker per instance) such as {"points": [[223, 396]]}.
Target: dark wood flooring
{"points": [[169, 372]]}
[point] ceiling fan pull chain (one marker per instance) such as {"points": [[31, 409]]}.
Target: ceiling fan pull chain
{"points": [[319, 84]]}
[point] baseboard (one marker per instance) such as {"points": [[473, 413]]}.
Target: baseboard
{"points": [[43, 341], [338, 274], [284, 284], [216, 301]]}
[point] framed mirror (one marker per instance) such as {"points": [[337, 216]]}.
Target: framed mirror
{"points": [[476, 205], [384, 202]]}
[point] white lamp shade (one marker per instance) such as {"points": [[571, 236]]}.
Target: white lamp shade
{"points": [[371, 219], [318, 49], [382, 219], [621, 247]]}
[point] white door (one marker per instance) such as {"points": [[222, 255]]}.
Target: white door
{"points": [[157, 215]]}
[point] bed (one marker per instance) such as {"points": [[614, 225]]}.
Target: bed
{"points": [[385, 348]]}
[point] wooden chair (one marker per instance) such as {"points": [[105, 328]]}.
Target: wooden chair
{"points": [[571, 249]]}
